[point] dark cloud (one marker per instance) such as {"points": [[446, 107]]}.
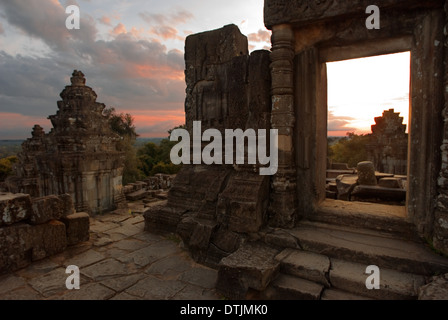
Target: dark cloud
{"points": [[45, 20], [126, 71], [2, 31]]}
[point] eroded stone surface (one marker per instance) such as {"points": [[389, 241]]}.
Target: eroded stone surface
{"points": [[14, 208], [253, 265], [436, 289]]}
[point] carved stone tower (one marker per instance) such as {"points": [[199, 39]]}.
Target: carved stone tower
{"points": [[78, 156]]}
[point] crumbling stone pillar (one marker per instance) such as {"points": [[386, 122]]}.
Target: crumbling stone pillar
{"points": [[213, 206], [283, 199]]}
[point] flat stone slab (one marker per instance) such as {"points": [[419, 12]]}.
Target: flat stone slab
{"points": [[91, 291], [253, 265], [192, 292], [86, 258], [10, 283], [129, 245], [200, 276], [369, 248], [25, 293], [123, 282], [137, 195], [286, 287], [50, 284], [306, 265], [333, 294], [151, 253], [105, 269], [169, 268], [151, 288], [394, 285]]}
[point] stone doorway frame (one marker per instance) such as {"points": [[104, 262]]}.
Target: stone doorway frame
{"points": [[355, 51], [304, 38]]}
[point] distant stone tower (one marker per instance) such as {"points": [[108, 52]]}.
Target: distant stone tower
{"points": [[79, 156], [389, 143]]}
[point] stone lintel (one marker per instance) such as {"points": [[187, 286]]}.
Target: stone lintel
{"points": [[300, 13]]}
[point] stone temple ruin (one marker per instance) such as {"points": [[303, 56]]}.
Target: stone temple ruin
{"points": [[270, 237], [79, 156], [278, 236], [384, 176], [388, 149]]}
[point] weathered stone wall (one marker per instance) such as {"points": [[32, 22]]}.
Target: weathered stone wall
{"points": [[440, 237], [79, 156], [32, 229], [211, 206]]}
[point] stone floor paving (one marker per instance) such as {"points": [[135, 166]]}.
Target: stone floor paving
{"points": [[121, 261]]}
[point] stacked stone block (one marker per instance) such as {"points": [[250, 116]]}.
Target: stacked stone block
{"points": [[32, 229]]}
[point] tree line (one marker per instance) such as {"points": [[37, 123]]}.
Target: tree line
{"points": [[151, 158], [139, 163]]}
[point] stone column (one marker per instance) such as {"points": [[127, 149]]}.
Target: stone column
{"points": [[440, 238], [282, 209]]}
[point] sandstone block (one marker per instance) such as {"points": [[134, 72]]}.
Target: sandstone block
{"points": [[161, 219], [51, 207], [307, 265], [48, 239], [390, 183], [345, 184], [16, 243], [286, 287], [137, 195], [77, 227], [14, 208], [242, 205], [253, 265], [366, 173]]}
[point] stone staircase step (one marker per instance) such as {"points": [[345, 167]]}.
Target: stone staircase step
{"points": [[253, 266], [370, 248], [286, 287], [334, 294], [306, 265], [394, 285], [379, 217]]}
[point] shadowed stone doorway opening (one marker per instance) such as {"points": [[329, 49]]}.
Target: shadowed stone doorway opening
{"points": [[368, 101]]}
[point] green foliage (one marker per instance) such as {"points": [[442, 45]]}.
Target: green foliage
{"points": [[10, 148], [123, 125], [156, 158], [350, 149], [6, 166]]}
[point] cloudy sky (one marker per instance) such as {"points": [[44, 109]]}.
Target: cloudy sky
{"points": [[131, 52], [361, 89]]}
